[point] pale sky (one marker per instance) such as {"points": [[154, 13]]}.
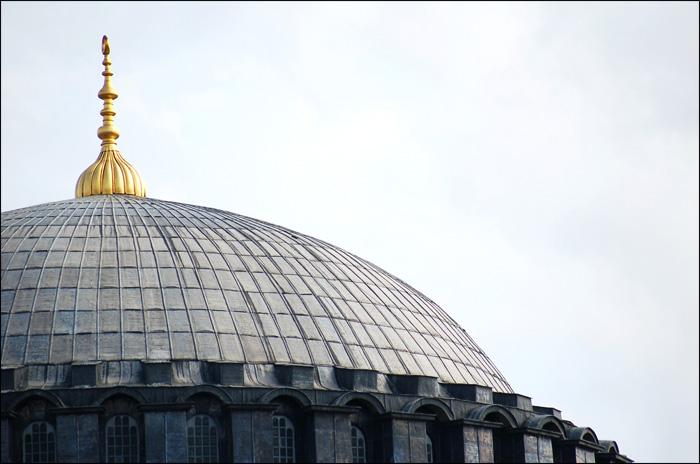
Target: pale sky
{"points": [[531, 167]]}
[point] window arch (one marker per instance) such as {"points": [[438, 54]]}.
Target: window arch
{"points": [[359, 448], [39, 442], [122, 439], [429, 449], [283, 441], [202, 439], [434, 427]]}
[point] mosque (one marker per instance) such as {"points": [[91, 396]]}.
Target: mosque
{"points": [[143, 330]]}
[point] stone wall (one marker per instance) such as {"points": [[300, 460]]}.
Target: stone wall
{"points": [[465, 423]]}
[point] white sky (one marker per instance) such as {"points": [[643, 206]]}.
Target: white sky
{"points": [[533, 168]]}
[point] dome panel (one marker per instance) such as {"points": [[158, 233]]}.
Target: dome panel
{"points": [[120, 277]]}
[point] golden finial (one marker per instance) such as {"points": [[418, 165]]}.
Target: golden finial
{"points": [[109, 133], [110, 173]]}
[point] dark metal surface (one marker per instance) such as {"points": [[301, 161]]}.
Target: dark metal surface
{"points": [[118, 277]]}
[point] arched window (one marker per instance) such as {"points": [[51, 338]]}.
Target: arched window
{"points": [[39, 440], [283, 442], [202, 439], [122, 439], [359, 451], [428, 448], [500, 451]]}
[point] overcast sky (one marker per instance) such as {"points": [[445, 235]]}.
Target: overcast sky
{"points": [[532, 168]]}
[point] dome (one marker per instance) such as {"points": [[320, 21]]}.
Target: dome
{"points": [[141, 330], [114, 278]]}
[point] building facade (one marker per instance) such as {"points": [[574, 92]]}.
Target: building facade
{"points": [[136, 329]]}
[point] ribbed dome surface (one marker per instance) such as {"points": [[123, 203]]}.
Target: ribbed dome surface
{"points": [[119, 277]]}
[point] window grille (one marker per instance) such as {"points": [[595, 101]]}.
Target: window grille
{"points": [[39, 440], [283, 442], [358, 445], [202, 439], [429, 449], [122, 439]]}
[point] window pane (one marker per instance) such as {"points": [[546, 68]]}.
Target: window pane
{"points": [[429, 448], [122, 439], [358, 445], [39, 442], [283, 439], [202, 439]]}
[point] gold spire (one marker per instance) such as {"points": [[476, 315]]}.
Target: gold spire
{"points": [[110, 173]]}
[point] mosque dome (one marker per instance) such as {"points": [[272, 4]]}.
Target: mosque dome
{"points": [[121, 277], [142, 330]]}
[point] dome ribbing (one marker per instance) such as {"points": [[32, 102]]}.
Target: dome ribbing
{"points": [[120, 277]]}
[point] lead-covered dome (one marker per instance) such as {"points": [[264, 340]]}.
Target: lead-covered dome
{"points": [[120, 277]]}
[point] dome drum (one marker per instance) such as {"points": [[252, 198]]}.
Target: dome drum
{"points": [[317, 413], [476, 393], [108, 374], [356, 379], [415, 384], [513, 400]]}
